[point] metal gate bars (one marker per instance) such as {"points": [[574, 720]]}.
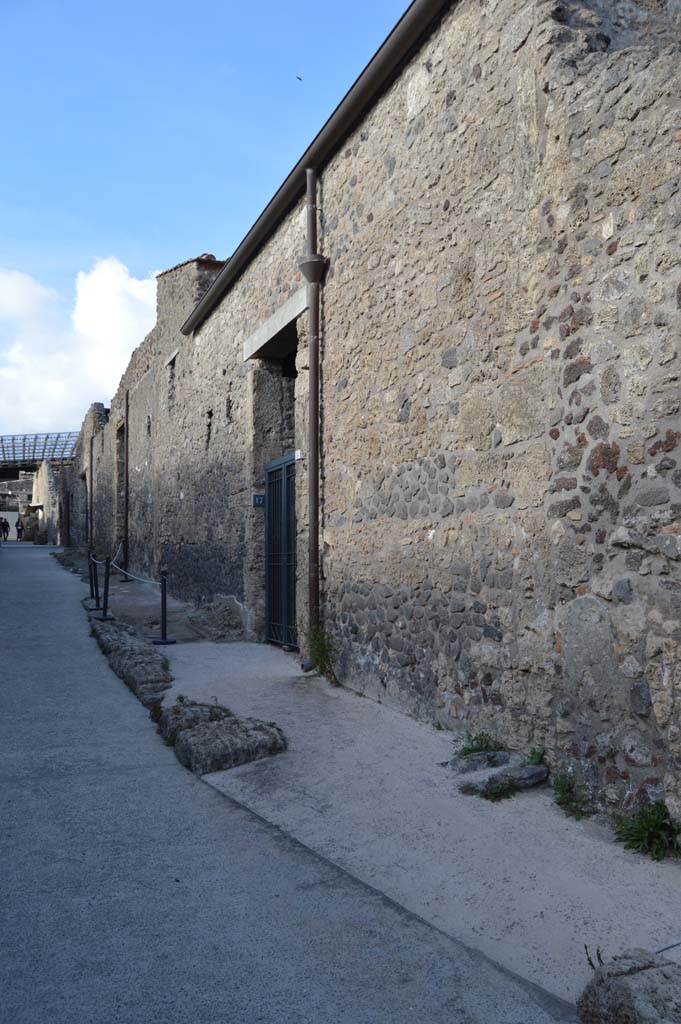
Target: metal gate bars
{"points": [[280, 546]]}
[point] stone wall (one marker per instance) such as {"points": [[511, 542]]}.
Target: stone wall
{"points": [[45, 495], [501, 389], [75, 505], [16, 494], [202, 426], [500, 489]]}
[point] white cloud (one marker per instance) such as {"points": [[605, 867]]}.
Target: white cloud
{"points": [[52, 365], [21, 296]]}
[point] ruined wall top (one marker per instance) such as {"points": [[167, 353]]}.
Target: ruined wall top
{"points": [[178, 290]]}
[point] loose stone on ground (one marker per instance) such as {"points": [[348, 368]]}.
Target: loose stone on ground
{"points": [[519, 777], [141, 667], [219, 745], [482, 760], [206, 736], [636, 987], [209, 738], [493, 769]]}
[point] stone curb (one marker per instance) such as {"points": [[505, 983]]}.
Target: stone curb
{"points": [[217, 746], [206, 737], [143, 669]]}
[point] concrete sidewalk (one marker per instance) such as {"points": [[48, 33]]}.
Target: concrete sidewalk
{"points": [[365, 787], [132, 893]]}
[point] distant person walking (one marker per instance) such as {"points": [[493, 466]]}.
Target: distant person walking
{"points": [[19, 526], [5, 529]]}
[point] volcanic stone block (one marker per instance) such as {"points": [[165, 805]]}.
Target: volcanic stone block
{"points": [[637, 987], [215, 745]]}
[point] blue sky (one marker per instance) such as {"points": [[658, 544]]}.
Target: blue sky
{"points": [[156, 131], [142, 134]]}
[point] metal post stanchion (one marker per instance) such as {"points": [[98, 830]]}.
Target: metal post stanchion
{"points": [[107, 573], [164, 611], [90, 575], [95, 575]]}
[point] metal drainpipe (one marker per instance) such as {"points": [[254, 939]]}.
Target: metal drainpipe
{"points": [[312, 267]]}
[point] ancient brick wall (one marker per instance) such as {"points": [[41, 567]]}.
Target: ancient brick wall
{"points": [[500, 330]]}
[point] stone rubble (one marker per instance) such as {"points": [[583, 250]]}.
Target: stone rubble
{"points": [[140, 665], [218, 745], [519, 776], [464, 763], [486, 769], [206, 737], [636, 987], [187, 714], [209, 738], [219, 620]]}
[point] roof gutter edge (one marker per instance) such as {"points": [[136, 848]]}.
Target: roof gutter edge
{"points": [[410, 31]]}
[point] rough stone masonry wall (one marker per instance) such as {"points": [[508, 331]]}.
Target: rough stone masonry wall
{"points": [[75, 497], [258, 402], [611, 249], [178, 483], [45, 493], [215, 421], [155, 384], [202, 426], [501, 392], [499, 395], [15, 494]]}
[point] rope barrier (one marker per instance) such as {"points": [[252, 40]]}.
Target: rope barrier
{"points": [[110, 564], [665, 948], [102, 561], [132, 575]]}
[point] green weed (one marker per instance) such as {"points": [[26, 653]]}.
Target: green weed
{"points": [[535, 757], [571, 796], [502, 790], [481, 743], [323, 653], [650, 830]]}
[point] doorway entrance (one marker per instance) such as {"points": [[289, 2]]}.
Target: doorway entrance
{"points": [[280, 551]]}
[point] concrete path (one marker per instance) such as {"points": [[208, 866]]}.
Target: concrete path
{"points": [[132, 893], [365, 786]]}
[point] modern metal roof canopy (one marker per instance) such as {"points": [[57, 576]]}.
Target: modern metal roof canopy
{"points": [[32, 449]]}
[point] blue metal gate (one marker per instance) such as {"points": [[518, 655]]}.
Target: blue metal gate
{"points": [[280, 545]]}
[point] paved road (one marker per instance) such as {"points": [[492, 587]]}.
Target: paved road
{"points": [[132, 893]]}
